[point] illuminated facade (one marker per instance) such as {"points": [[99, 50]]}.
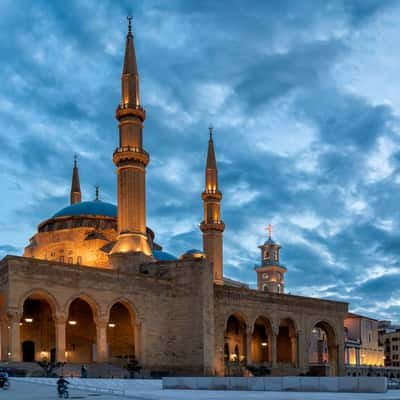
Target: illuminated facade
{"points": [[94, 286], [362, 346]]}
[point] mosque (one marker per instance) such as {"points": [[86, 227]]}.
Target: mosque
{"points": [[94, 286]]}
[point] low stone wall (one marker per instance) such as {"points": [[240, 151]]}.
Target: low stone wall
{"points": [[276, 384]]}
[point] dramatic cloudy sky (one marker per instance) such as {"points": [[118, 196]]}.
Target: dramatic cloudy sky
{"points": [[305, 100]]}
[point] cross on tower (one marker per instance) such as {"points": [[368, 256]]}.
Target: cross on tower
{"points": [[269, 229]]}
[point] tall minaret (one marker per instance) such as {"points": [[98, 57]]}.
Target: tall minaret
{"points": [[75, 196], [131, 160], [212, 226]]}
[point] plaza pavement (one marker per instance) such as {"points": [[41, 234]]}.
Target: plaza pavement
{"points": [[24, 389]]}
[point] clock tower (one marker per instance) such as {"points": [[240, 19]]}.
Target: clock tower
{"points": [[270, 274]]}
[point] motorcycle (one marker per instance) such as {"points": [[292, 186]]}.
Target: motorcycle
{"points": [[63, 392], [4, 383]]}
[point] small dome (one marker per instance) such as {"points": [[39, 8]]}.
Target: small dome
{"points": [[163, 256], [193, 253], [269, 242], [95, 207]]}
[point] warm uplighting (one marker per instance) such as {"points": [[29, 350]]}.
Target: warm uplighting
{"points": [[44, 354], [264, 344], [28, 320], [72, 322], [20, 324], [111, 325]]}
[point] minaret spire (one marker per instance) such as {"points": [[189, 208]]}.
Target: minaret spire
{"points": [[75, 196], [130, 75], [212, 226], [131, 160]]}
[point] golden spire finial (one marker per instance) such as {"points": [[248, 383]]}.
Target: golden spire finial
{"points": [[129, 18], [211, 128], [269, 230]]}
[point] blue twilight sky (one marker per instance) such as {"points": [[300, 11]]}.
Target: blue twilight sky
{"points": [[305, 100]]}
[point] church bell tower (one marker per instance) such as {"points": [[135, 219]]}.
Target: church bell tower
{"points": [[131, 160], [270, 274], [212, 226]]}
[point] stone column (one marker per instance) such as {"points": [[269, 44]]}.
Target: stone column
{"points": [[274, 350], [303, 357], [249, 360], [219, 364], [15, 337], [293, 345], [101, 340], [61, 338]]}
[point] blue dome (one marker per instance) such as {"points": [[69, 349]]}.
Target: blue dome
{"points": [[193, 251], [163, 256], [95, 207]]}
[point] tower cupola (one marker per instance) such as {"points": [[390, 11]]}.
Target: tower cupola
{"points": [[270, 274]]}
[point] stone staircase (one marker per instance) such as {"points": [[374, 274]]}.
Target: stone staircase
{"points": [[94, 370], [31, 369]]}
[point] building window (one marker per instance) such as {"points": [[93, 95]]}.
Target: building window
{"points": [[266, 255], [265, 288], [79, 260], [279, 288], [276, 255], [70, 260], [61, 259], [278, 276]]}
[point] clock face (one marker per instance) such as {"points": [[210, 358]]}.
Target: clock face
{"points": [[265, 275]]}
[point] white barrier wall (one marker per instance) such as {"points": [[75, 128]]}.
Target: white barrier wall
{"points": [[358, 384]]}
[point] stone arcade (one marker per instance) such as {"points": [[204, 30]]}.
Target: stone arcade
{"points": [[94, 286]]}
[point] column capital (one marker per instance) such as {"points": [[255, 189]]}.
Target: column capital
{"points": [[14, 316], [61, 319], [101, 322]]}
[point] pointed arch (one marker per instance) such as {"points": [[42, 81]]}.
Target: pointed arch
{"points": [[133, 311], [94, 305], [39, 294]]}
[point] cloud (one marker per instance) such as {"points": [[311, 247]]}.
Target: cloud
{"points": [[306, 113]]}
